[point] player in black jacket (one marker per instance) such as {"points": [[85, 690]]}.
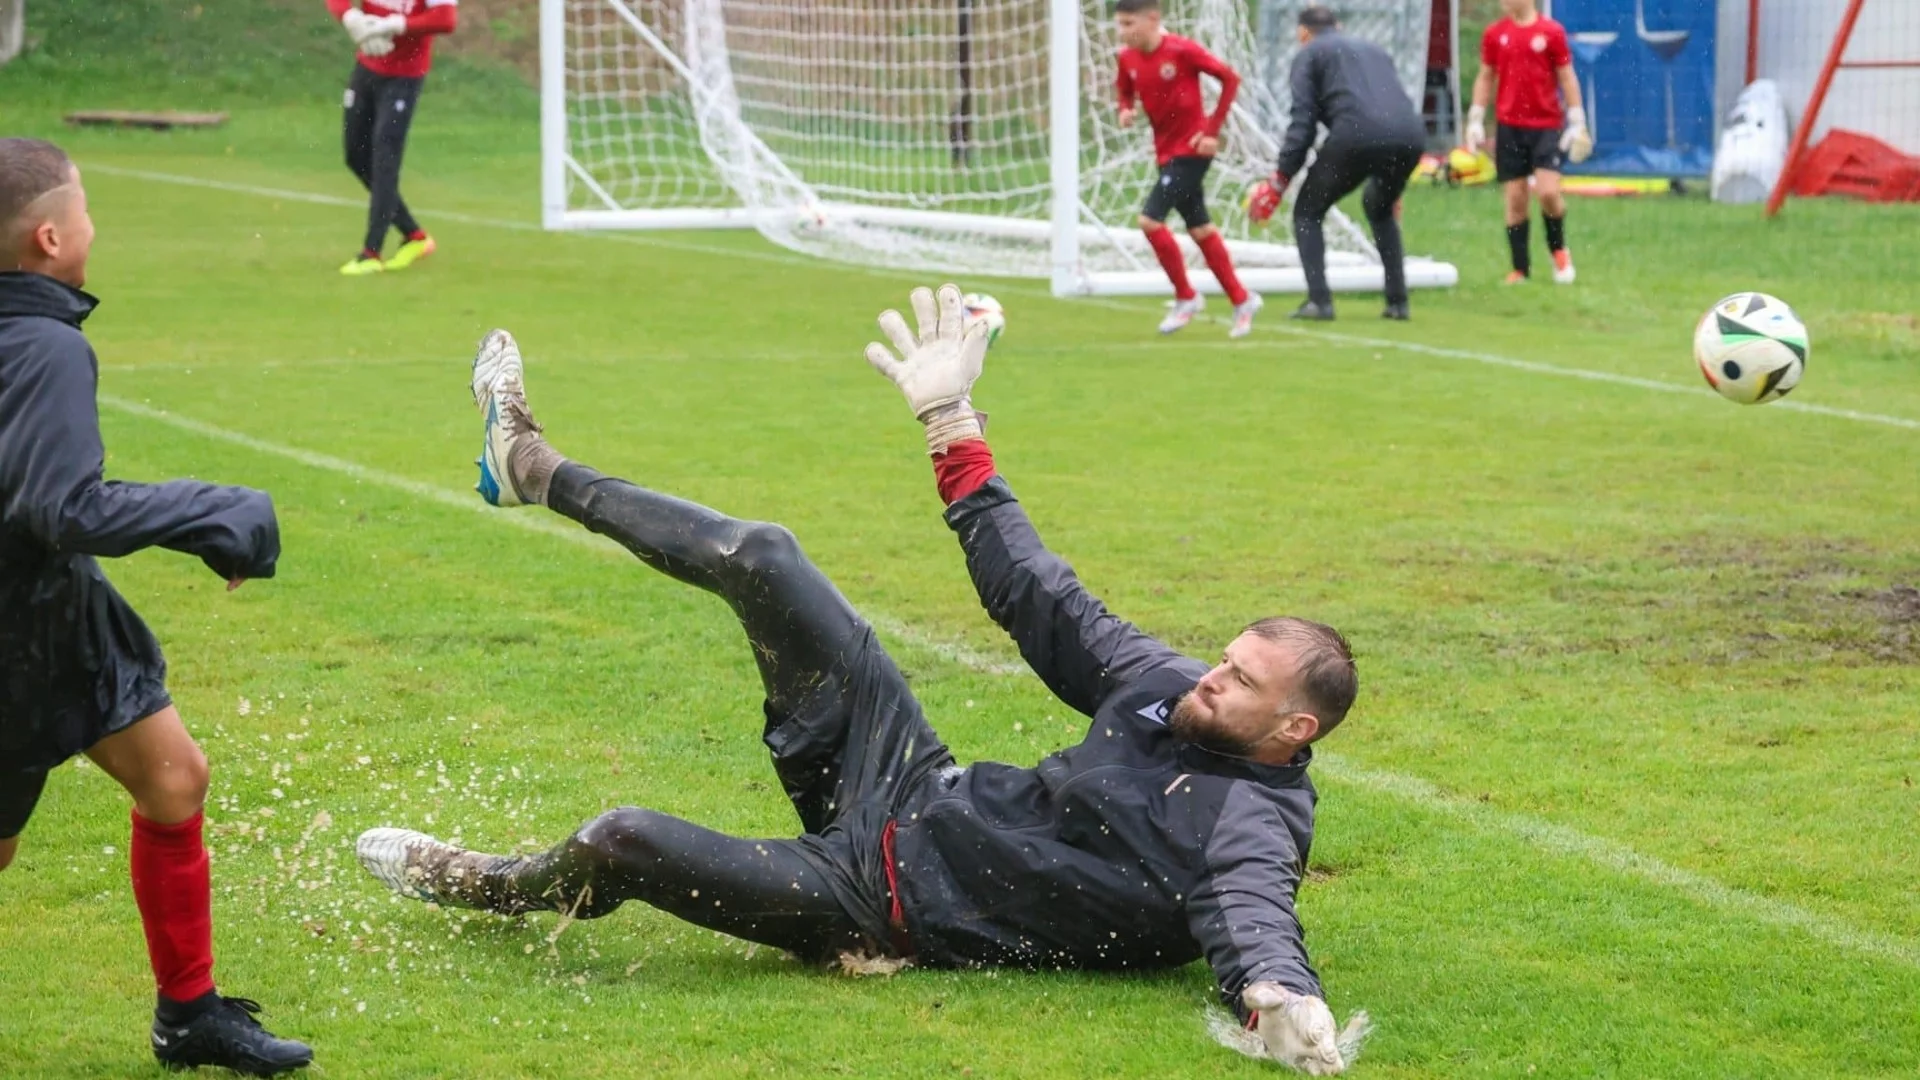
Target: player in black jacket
{"points": [[1177, 829], [79, 671], [1373, 137]]}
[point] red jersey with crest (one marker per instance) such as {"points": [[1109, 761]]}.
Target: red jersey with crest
{"points": [[412, 54], [1167, 83], [1525, 58]]}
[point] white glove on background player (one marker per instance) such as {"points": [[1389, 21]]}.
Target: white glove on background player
{"points": [[373, 34], [936, 368], [1476, 128], [1576, 142], [1298, 1030]]}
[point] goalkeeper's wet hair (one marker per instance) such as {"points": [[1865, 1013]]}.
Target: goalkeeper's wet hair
{"points": [[29, 168], [1135, 7], [1318, 18], [1329, 681]]}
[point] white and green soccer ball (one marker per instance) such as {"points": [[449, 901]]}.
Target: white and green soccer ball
{"points": [[983, 308], [1751, 347]]}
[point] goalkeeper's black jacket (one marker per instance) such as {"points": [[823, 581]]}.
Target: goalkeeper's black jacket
{"points": [[1133, 850], [76, 663]]}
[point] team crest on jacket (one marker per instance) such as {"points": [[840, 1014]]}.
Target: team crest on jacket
{"points": [[1539, 43], [1168, 70]]}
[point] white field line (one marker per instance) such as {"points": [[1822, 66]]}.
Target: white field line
{"points": [[1614, 855], [1496, 360], [531, 519], [1544, 835], [788, 259]]}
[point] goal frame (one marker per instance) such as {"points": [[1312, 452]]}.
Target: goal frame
{"points": [[1066, 231]]}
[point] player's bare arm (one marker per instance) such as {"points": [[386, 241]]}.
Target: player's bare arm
{"points": [[1483, 85]]}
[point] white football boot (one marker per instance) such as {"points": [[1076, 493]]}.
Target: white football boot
{"points": [[499, 389], [1563, 272], [408, 862], [1243, 315], [1181, 312]]}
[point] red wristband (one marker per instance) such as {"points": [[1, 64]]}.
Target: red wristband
{"points": [[964, 469]]}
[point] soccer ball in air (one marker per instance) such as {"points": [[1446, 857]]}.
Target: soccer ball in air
{"points": [[1751, 347], [983, 308]]}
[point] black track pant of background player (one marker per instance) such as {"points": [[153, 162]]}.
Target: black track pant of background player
{"points": [[849, 743], [378, 111], [1340, 167]]}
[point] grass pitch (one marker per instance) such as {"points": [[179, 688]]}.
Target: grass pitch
{"points": [[1629, 790]]}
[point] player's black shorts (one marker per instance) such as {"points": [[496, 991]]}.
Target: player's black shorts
{"points": [[1182, 187], [19, 793], [1518, 152], [77, 664], [855, 756]]}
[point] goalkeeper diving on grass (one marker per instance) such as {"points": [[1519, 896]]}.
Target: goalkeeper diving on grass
{"points": [[1177, 829]]}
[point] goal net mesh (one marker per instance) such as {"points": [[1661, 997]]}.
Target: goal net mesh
{"points": [[1876, 90], [912, 135]]}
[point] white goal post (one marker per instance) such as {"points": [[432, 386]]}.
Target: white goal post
{"points": [[959, 137], [13, 28]]}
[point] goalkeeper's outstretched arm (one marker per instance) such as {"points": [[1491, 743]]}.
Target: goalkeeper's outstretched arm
{"points": [[1079, 649]]}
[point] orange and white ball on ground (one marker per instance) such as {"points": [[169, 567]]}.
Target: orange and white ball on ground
{"points": [[983, 308], [1751, 347]]}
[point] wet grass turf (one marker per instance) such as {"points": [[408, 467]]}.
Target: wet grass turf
{"points": [[1630, 789]]}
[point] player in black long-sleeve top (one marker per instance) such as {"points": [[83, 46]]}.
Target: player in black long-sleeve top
{"points": [[1177, 829], [1374, 135], [79, 671]]}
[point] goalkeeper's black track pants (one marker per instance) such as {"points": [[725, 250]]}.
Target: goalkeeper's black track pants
{"points": [[1338, 168], [378, 111], [849, 743]]}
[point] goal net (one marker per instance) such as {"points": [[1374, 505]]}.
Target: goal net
{"points": [[964, 137], [1850, 72]]}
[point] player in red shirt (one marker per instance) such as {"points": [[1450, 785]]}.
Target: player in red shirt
{"points": [[1162, 72], [395, 43], [1527, 53]]}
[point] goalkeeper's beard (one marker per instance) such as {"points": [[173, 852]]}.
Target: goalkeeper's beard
{"points": [[1188, 725]]}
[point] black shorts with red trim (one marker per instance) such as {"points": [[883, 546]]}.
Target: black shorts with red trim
{"points": [[854, 757]]}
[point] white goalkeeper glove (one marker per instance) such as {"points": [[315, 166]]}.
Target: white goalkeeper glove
{"points": [[1576, 142], [1476, 128], [389, 26], [936, 368], [372, 34], [1299, 1032], [358, 24]]}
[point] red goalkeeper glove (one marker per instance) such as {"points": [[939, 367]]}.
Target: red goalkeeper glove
{"points": [[1265, 197]]}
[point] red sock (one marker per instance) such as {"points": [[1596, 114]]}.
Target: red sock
{"points": [[964, 469], [416, 236], [171, 887], [1174, 263], [1214, 247]]}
